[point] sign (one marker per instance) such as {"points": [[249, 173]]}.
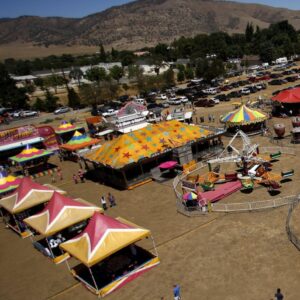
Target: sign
{"points": [[18, 134], [48, 133]]}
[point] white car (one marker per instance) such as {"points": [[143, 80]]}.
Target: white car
{"points": [[210, 91], [184, 99], [110, 112], [174, 101], [216, 101], [62, 110], [162, 97], [25, 114], [245, 91]]}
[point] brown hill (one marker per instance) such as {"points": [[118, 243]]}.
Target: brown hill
{"points": [[143, 23]]}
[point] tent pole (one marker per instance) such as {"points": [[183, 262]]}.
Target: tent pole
{"points": [[17, 223], [68, 265], [50, 248], [93, 279], [155, 249]]}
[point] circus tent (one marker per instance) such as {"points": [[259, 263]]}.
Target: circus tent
{"points": [[243, 116], [8, 183], [30, 153], [66, 127], [79, 141], [291, 96], [147, 142]]}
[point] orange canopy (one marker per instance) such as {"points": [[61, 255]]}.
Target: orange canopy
{"points": [[102, 237], [149, 141]]}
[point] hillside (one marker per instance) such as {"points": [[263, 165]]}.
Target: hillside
{"points": [[143, 23]]}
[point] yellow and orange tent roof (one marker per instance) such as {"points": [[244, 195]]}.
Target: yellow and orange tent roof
{"points": [[243, 116], [8, 182], [79, 141], [66, 127], [146, 142], [102, 237], [61, 212]]}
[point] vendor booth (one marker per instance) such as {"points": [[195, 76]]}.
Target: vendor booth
{"points": [[60, 220], [8, 183], [248, 120], [77, 144], [128, 160], [65, 131], [31, 157], [29, 199], [108, 254]]}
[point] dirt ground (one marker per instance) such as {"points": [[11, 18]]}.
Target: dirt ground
{"points": [[218, 256]]}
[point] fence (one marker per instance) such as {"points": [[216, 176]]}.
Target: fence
{"points": [[284, 150], [291, 235]]}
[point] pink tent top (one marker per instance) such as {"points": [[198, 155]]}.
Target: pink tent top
{"points": [[131, 107], [99, 225], [25, 187], [57, 203], [288, 96], [168, 164]]}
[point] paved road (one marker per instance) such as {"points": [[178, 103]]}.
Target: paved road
{"points": [[42, 118]]}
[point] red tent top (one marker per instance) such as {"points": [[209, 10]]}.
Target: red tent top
{"points": [[26, 186], [57, 203], [99, 225], [288, 96]]}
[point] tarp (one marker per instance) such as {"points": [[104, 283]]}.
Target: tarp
{"points": [[243, 116], [27, 195], [61, 212], [79, 141], [67, 127], [147, 142], [130, 108], [288, 96], [102, 237], [8, 182], [30, 153]]}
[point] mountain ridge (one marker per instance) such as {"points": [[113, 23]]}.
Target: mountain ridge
{"points": [[143, 23]]}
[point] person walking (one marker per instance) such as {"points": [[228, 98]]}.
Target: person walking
{"points": [[60, 174], [112, 200], [279, 295], [75, 178], [103, 203], [176, 292], [81, 175]]}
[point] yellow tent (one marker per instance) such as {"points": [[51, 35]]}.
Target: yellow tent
{"points": [[149, 141], [102, 237]]}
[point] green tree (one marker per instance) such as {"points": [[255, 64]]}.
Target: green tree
{"points": [[134, 71], [96, 74], [40, 83], [73, 98], [168, 78], [39, 104], [10, 95], [116, 72], [102, 54], [54, 81], [249, 32], [180, 76], [189, 73], [50, 101], [76, 74]]}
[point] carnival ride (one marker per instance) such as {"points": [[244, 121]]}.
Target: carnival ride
{"points": [[251, 170]]}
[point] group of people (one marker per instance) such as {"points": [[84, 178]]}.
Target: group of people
{"points": [[79, 177], [211, 118], [111, 200]]}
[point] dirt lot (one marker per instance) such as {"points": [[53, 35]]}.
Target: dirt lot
{"points": [[233, 257]]}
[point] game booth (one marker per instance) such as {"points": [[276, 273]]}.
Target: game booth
{"points": [[127, 161], [78, 144], [8, 183], [60, 220], [109, 255], [248, 120], [31, 160], [28, 199], [65, 131]]}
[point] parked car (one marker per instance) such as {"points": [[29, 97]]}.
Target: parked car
{"points": [[110, 112], [184, 99], [62, 110], [165, 104], [234, 94], [216, 100], [204, 103], [276, 82], [210, 91], [222, 97], [174, 101], [25, 114], [123, 98], [245, 91]]}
